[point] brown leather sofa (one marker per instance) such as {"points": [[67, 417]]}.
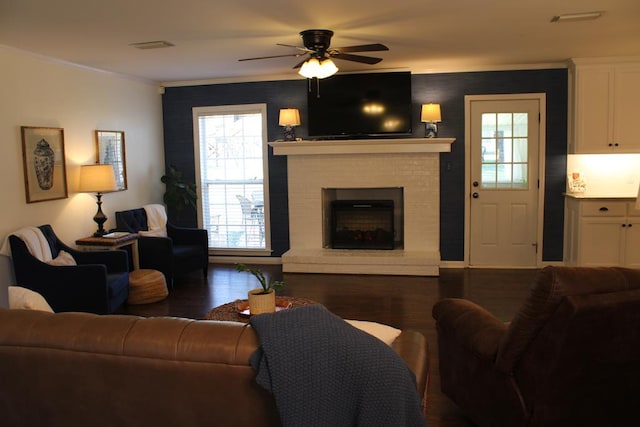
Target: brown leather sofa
{"points": [[569, 357], [81, 369]]}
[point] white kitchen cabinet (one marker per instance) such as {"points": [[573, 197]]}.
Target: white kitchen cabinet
{"points": [[602, 233], [605, 107], [632, 239]]}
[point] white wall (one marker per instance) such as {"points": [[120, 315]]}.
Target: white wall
{"points": [[36, 91]]}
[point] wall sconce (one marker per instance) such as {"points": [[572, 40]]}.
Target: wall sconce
{"points": [[289, 117], [98, 179], [319, 69], [430, 116]]}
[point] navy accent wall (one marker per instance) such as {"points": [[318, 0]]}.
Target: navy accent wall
{"points": [[177, 104], [447, 89]]}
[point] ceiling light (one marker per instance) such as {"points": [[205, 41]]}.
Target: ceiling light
{"points": [[318, 69], [152, 45], [584, 16]]}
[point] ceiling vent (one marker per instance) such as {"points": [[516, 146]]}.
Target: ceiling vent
{"points": [[584, 16], [152, 45]]}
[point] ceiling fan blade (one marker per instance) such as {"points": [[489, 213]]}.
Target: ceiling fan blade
{"points": [[375, 47], [299, 64], [302, 48], [272, 56], [357, 58]]}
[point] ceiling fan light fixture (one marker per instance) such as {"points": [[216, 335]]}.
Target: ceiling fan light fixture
{"points": [[318, 69], [327, 69], [310, 68]]}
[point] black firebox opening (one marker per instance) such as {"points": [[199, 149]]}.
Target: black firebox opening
{"points": [[362, 224]]}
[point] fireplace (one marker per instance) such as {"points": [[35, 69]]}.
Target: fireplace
{"points": [[320, 172], [362, 224], [342, 197]]}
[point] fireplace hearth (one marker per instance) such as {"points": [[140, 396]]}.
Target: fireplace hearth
{"points": [[362, 224]]}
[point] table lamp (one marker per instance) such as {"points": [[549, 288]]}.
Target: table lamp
{"points": [[430, 116], [97, 179], [289, 117]]}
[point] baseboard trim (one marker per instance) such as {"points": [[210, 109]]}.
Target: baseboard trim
{"points": [[267, 260], [263, 260], [462, 264], [452, 264]]}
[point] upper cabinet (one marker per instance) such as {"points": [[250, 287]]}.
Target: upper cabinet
{"points": [[605, 106]]}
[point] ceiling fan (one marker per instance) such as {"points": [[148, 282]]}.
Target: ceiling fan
{"points": [[317, 47]]}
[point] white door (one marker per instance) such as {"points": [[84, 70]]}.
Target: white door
{"points": [[504, 145]]}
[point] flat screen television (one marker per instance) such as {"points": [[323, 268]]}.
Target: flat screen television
{"points": [[360, 106]]}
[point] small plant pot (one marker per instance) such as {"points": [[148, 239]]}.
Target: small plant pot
{"points": [[261, 302]]}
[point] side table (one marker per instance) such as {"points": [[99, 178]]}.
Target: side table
{"points": [[229, 311], [118, 240]]}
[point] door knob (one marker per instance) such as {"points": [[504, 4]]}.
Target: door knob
{"points": [[475, 183], [475, 195]]}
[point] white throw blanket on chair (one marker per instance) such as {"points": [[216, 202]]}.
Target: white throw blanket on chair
{"points": [[33, 237], [156, 220]]}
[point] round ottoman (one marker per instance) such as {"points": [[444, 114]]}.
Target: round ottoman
{"points": [[146, 286]]}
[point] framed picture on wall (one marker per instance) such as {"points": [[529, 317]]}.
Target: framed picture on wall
{"points": [[45, 176], [110, 151]]}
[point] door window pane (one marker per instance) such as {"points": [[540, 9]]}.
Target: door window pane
{"points": [[505, 125], [519, 175], [489, 176], [489, 149]]}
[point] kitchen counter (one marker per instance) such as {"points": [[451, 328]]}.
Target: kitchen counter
{"points": [[587, 196]]}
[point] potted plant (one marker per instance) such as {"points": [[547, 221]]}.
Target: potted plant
{"points": [[179, 194], [262, 299]]}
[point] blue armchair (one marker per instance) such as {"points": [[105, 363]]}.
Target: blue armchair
{"points": [[99, 283], [183, 250]]}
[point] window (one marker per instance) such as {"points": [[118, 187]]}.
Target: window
{"points": [[504, 150], [231, 158]]}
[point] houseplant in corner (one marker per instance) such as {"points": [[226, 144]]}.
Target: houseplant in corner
{"points": [[179, 194], [262, 299]]}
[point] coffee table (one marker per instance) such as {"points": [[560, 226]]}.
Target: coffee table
{"points": [[229, 311]]}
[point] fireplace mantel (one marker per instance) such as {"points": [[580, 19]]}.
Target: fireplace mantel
{"points": [[362, 146]]}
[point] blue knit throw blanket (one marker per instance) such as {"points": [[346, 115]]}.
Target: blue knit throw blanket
{"points": [[324, 372]]}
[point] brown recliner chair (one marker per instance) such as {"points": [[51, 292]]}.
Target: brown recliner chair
{"points": [[570, 356]]}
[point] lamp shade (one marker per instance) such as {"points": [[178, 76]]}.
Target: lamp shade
{"points": [[431, 113], [97, 179], [289, 117]]}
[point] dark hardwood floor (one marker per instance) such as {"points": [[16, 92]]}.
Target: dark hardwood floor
{"points": [[404, 302]]}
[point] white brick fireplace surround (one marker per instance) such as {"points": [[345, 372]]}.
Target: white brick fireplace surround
{"points": [[411, 164]]}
